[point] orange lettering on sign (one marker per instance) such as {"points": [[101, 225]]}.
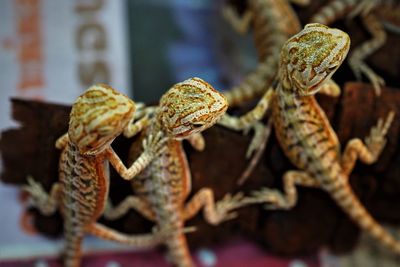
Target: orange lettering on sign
{"points": [[30, 55]]}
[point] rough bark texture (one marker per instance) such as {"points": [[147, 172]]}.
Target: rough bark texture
{"points": [[315, 221]]}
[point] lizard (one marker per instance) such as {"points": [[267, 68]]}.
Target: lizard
{"points": [[273, 22], [376, 15], [184, 111], [97, 117], [308, 60]]}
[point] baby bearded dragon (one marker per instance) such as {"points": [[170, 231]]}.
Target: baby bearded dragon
{"points": [[185, 110], [274, 21], [308, 59], [376, 15], [98, 116]]}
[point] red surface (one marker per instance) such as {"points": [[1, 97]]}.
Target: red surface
{"points": [[235, 254]]}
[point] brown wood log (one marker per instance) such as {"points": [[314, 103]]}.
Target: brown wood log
{"points": [[314, 222]]}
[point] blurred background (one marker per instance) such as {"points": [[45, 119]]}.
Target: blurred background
{"points": [[52, 50]]}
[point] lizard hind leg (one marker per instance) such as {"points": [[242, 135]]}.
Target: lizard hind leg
{"points": [[276, 199], [239, 23], [356, 59], [46, 203], [130, 202], [214, 213], [373, 147]]}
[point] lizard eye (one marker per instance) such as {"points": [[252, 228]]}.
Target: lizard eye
{"points": [[332, 68], [197, 124]]}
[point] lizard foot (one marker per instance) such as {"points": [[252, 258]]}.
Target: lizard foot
{"points": [[142, 110], [35, 190], [273, 198], [376, 140], [363, 8], [360, 68], [155, 145], [224, 207], [261, 134]]}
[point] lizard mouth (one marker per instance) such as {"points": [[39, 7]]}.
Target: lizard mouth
{"points": [[311, 86]]}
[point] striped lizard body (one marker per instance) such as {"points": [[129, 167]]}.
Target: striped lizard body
{"points": [[185, 110], [273, 22], [97, 117], [376, 16], [308, 60], [165, 192]]}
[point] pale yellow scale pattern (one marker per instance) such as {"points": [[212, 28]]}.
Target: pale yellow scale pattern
{"points": [[98, 116]]}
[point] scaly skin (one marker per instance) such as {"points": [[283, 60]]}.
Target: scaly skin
{"points": [[308, 60], [98, 116], [273, 22], [185, 110], [376, 15]]}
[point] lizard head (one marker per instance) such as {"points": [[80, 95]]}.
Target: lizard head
{"points": [[310, 58], [97, 117], [190, 107]]}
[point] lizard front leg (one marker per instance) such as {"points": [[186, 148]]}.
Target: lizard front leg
{"points": [[276, 199], [197, 141], [330, 88], [251, 120], [46, 203], [153, 146], [62, 141], [356, 59], [214, 213], [133, 129], [131, 202], [373, 147], [247, 120], [258, 145]]}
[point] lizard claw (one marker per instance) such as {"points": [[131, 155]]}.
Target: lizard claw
{"points": [[143, 110], [272, 197], [155, 145], [38, 196], [358, 67], [33, 188], [224, 207], [363, 8], [261, 134], [376, 140]]}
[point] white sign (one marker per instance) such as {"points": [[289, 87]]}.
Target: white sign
{"points": [[54, 49]]}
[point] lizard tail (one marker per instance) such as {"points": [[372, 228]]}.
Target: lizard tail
{"points": [[73, 250], [348, 201], [178, 252], [253, 85], [333, 10]]}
